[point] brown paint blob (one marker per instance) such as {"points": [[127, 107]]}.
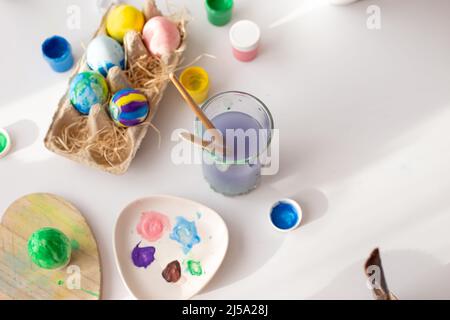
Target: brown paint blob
{"points": [[172, 273]]}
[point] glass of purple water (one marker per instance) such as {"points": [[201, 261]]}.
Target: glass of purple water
{"points": [[246, 126]]}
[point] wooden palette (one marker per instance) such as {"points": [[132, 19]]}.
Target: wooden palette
{"points": [[20, 279]]}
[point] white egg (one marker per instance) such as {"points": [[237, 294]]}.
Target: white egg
{"points": [[103, 53]]}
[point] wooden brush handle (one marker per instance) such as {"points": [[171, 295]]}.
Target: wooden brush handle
{"points": [[187, 97]]}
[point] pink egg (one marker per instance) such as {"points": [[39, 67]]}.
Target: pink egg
{"points": [[161, 36]]}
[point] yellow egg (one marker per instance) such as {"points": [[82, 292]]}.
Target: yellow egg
{"points": [[122, 19]]}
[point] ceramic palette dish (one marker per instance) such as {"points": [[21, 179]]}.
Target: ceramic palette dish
{"points": [[20, 279], [185, 243]]}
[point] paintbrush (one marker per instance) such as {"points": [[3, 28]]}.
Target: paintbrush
{"points": [[204, 144], [217, 138], [380, 290]]}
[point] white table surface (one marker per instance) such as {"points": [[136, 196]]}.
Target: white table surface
{"points": [[365, 143]]}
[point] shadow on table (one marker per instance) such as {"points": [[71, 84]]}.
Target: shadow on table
{"points": [[23, 134], [409, 274], [314, 204], [253, 240], [353, 105], [23, 59], [358, 112]]}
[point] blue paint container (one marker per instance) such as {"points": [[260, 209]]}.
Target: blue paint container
{"points": [[58, 53], [286, 215]]}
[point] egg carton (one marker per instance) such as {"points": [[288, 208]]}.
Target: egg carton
{"points": [[98, 117]]}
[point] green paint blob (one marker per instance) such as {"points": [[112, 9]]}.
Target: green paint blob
{"points": [[194, 268], [3, 142], [49, 248], [60, 282]]}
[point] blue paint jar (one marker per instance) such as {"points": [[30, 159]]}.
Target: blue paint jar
{"points": [[58, 53], [286, 215]]}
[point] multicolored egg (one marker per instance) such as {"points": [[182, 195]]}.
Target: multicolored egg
{"points": [[129, 107], [122, 19], [103, 53], [87, 89]]}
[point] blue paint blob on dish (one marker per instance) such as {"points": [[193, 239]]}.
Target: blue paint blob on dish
{"points": [[185, 233], [284, 215]]}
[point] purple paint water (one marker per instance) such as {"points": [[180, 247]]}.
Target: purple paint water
{"points": [[242, 175]]}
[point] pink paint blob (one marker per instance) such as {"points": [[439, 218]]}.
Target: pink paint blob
{"points": [[153, 225]]}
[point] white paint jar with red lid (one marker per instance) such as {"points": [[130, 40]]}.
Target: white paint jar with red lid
{"points": [[245, 37]]}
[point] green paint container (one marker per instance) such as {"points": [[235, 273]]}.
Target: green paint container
{"points": [[219, 11], [5, 142]]}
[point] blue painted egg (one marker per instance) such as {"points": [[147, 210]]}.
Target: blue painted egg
{"points": [[87, 89], [129, 107], [103, 53]]}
